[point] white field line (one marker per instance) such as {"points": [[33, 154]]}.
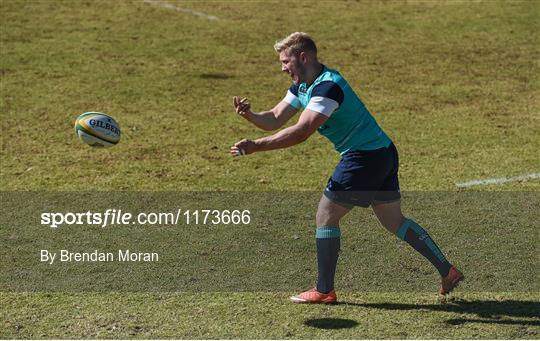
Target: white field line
{"points": [[498, 180], [180, 9]]}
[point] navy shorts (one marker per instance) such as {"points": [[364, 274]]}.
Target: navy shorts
{"points": [[365, 177]]}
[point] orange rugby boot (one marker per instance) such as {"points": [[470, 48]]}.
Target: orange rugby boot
{"points": [[314, 296], [451, 281]]}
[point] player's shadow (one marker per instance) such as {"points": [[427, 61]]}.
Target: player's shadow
{"points": [[484, 311], [331, 323]]}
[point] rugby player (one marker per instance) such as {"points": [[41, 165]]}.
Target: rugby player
{"points": [[366, 175]]}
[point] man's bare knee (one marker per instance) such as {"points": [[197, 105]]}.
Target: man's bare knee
{"points": [[326, 218], [329, 213]]}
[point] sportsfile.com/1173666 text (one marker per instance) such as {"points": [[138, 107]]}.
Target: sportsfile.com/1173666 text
{"points": [[118, 217]]}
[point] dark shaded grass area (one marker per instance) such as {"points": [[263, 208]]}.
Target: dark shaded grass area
{"points": [[491, 236]]}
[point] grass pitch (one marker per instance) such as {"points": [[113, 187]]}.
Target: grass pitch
{"points": [[455, 84], [269, 316]]}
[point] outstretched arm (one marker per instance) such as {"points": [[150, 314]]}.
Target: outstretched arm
{"points": [[266, 120], [308, 122]]}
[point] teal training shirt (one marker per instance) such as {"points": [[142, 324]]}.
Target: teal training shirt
{"points": [[350, 125]]}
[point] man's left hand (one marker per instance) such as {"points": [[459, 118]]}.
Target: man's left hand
{"points": [[243, 147]]}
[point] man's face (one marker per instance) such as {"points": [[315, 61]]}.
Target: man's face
{"points": [[292, 65]]}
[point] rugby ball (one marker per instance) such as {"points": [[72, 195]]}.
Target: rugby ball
{"points": [[97, 129]]}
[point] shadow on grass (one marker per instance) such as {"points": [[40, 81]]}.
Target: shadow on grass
{"points": [[331, 323], [488, 311], [456, 322]]}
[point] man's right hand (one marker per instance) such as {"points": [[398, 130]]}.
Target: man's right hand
{"points": [[242, 106]]}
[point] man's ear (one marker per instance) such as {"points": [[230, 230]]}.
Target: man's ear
{"points": [[303, 57]]}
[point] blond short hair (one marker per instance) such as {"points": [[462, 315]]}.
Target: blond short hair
{"points": [[296, 42]]}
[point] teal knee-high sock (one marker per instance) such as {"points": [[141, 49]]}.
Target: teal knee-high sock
{"points": [[420, 240], [328, 244]]}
